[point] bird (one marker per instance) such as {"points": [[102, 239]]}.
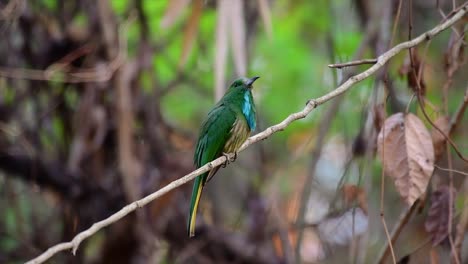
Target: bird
{"points": [[224, 130]]}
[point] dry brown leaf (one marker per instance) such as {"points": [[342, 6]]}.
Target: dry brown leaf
{"points": [[191, 30], [221, 48], [237, 22], [379, 116], [438, 140], [406, 150], [353, 193], [359, 145], [437, 220], [174, 10]]}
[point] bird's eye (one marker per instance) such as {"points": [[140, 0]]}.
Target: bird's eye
{"points": [[237, 84]]}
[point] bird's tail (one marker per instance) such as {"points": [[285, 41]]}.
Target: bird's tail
{"points": [[196, 195]]}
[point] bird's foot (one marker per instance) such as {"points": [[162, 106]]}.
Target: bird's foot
{"points": [[230, 157], [233, 157]]}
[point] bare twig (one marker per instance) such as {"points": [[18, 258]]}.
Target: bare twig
{"points": [[395, 23], [403, 220], [352, 63], [383, 76], [310, 106], [452, 170], [457, 116], [447, 137], [390, 240]]}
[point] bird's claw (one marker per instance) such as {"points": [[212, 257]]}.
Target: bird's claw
{"points": [[230, 157]]}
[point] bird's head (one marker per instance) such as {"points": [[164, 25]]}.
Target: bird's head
{"points": [[244, 82]]}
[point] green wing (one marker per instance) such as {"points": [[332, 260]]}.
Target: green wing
{"points": [[214, 134]]}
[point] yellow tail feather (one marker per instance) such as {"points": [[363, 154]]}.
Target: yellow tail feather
{"points": [[193, 213]]}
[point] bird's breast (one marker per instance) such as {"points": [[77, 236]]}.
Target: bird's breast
{"points": [[239, 133]]}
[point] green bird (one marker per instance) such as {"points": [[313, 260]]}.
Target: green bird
{"points": [[225, 129]]}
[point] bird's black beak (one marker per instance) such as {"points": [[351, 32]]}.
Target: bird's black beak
{"points": [[251, 81]]}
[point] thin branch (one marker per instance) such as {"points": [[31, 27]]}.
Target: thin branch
{"points": [[352, 63], [447, 137], [458, 115], [310, 106], [389, 240], [395, 23], [451, 170], [402, 221], [383, 77]]}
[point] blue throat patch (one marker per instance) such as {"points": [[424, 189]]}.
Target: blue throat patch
{"points": [[247, 111]]}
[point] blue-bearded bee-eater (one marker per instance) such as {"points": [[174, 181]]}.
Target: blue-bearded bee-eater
{"points": [[225, 129]]}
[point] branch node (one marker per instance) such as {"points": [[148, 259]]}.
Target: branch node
{"points": [[312, 103], [75, 247], [428, 37]]}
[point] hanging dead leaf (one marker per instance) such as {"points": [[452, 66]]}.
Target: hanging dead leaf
{"points": [[352, 194], [340, 230], [438, 140], [191, 30], [379, 116], [437, 221], [406, 150], [174, 10], [359, 145]]}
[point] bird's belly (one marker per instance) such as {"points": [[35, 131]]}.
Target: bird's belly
{"points": [[239, 133]]}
